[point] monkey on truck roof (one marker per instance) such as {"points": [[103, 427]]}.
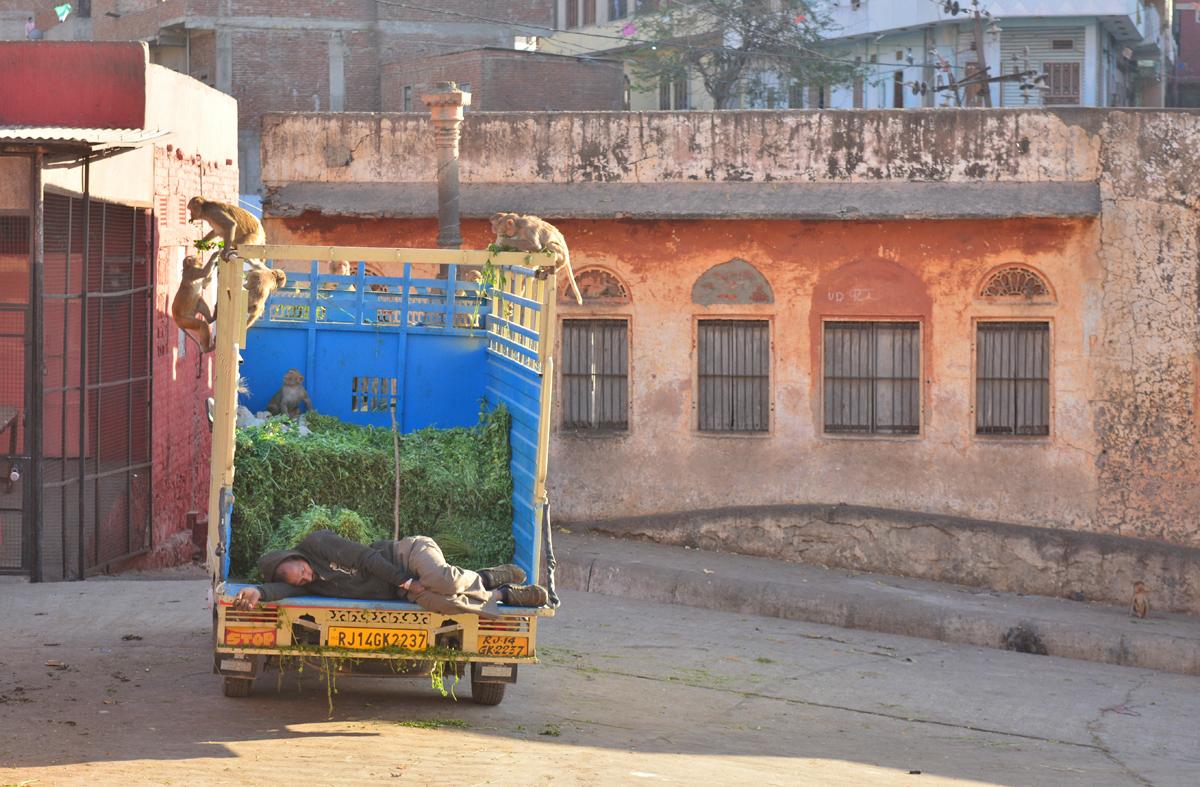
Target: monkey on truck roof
{"points": [[529, 233], [234, 225]]}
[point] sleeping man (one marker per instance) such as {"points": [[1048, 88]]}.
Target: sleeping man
{"points": [[411, 569]]}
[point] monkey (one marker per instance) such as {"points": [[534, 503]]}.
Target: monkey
{"points": [[189, 299], [261, 281], [234, 225], [1138, 608], [529, 233], [288, 398], [338, 268]]}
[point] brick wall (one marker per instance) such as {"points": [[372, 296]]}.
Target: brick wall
{"points": [[182, 381], [508, 80], [204, 57], [280, 55]]}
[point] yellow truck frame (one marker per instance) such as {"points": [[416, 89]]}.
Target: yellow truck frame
{"points": [[376, 638]]}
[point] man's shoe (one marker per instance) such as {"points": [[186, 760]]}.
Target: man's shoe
{"points": [[498, 576], [526, 596]]}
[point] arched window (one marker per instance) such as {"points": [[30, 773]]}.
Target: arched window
{"points": [[1016, 283], [596, 285]]}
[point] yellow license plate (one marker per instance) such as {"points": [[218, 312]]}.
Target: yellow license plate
{"points": [[503, 646], [377, 639]]}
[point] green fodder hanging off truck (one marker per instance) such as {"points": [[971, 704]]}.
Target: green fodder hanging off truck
{"points": [[455, 486]]}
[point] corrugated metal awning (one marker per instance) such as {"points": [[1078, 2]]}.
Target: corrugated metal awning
{"points": [[93, 139]]}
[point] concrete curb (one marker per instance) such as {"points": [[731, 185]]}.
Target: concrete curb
{"points": [[889, 605]]}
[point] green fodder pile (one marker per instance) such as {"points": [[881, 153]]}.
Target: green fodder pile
{"points": [[455, 486]]}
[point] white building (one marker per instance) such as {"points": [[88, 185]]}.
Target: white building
{"points": [[1093, 52]]}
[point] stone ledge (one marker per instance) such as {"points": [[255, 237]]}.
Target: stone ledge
{"points": [[657, 201], [979, 553]]}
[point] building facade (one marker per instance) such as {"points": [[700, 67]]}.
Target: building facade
{"points": [[975, 315], [101, 396]]}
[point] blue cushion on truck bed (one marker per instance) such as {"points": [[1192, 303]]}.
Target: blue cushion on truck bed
{"points": [[231, 589]]}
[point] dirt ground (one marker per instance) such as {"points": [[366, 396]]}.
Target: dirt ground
{"points": [[629, 692]]}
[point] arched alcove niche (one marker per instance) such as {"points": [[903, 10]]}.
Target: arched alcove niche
{"points": [[736, 282], [597, 286]]}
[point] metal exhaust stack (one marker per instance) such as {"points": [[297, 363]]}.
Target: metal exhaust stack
{"points": [[446, 104]]}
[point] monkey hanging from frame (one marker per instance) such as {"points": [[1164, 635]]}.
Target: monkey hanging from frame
{"points": [[261, 281], [529, 233], [189, 301]]}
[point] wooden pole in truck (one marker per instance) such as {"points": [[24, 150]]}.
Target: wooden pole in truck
{"points": [[230, 332], [446, 104]]}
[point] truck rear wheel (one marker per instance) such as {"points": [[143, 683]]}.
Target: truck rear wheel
{"points": [[487, 693], [241, 687]]}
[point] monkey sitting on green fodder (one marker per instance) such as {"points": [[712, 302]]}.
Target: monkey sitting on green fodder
{"points": [[288, 398]]}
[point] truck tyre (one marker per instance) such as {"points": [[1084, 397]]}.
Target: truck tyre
{"points": [[240, 687], [487, 693]]}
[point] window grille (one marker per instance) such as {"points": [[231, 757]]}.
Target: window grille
{"points": [[664, 94], [733, 365], [1012, 378], [589, 12], [1062, 44], [1064, 81], [681, 94], [595, 363], [572, 13], [373, 394], [795, 96], [859, 88], [407, 105], [872, 378], [618, 9], [1016, 283]]}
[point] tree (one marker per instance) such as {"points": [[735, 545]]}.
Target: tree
{"points": [[764, 49]]}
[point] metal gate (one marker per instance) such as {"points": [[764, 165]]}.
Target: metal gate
{"points": [[94, 464], [16, 336]]}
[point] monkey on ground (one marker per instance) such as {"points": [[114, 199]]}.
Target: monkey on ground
{"points": [[261, 281], [529, 233], [234, 225], [1138, 608], [288, 398], [189, 300]]}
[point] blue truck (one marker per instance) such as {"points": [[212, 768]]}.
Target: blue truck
{"points": [[417, 344]]}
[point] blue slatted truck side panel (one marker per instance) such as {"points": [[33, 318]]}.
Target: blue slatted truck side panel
{"points": [[515, 385], [359, 349]]}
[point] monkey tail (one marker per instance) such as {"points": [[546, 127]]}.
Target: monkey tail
{"points": [[196, 341], [564, 256]]}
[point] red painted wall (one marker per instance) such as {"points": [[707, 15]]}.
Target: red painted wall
{"points": [[181, 442], [81, 84]]}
